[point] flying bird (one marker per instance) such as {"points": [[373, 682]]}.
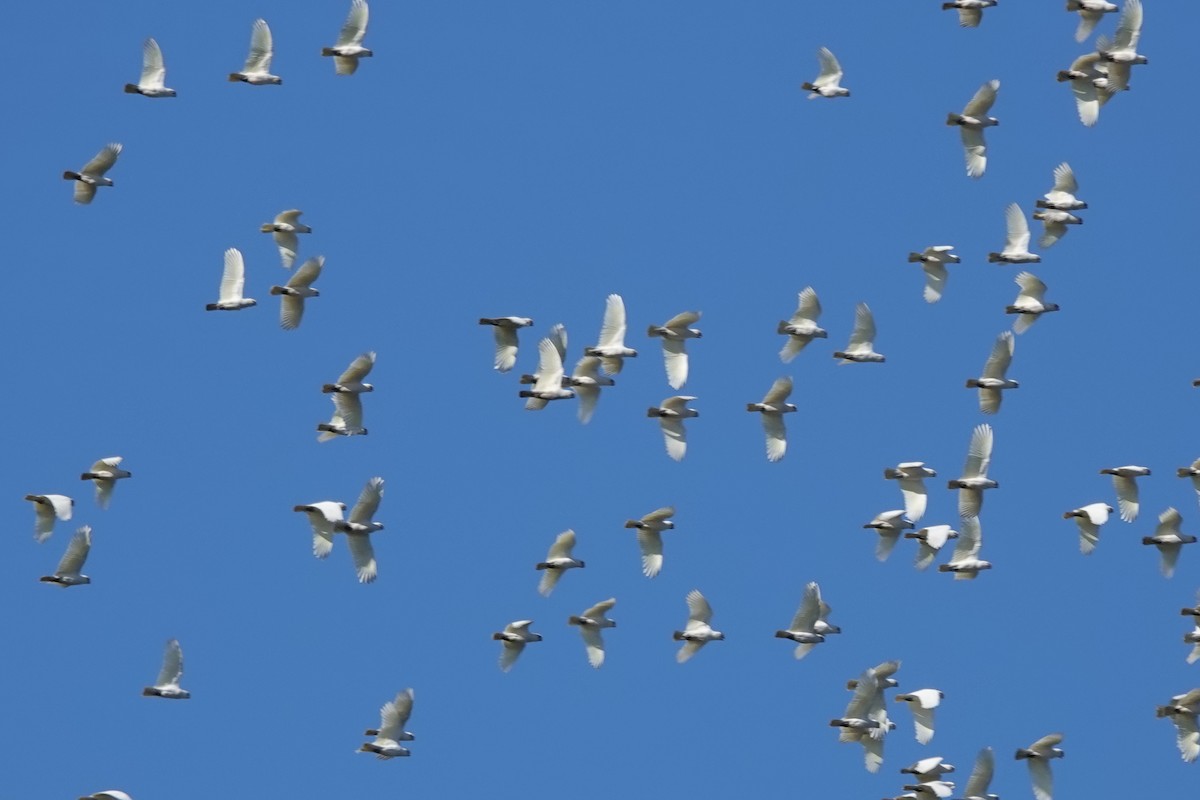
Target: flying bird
{"points": [[558, 560], [611, 349], [1192, 472], [698, 630], [68, 574], [932, 539], [585, 380], [298, 287], [865, 720], [911, 476], [1016, 243], [772, 408], [965, 562], [649, 536], [809, 626], [889, 525], [393, 716], [981, 777], [324, 518], [549, 383], [105, 473], [970, 12], [1039, 754], [861, 347], [933, 261], [922, 702], [284, 230], [1054, 225], [167, 683], [1169, 540], [1030, 303], [1193, 638], [558, 336], [359, 526], [1090, 13], [974, 479], [928, 769], [802, 328], [993, 381], [347, 417], [1124, 483], [92, 174], [1182, 711], [233, 282], [505, 331], [826, 84], [351, 381], [154, 73], [514, 637], [48, 508], [1088, 75], [974, 119], [257, 70], [590, 622], [1062, 195], [671, 413], [1089, 518], [1121, 53], [883, 675], [108, 794], [349, 48], [674, 333]]}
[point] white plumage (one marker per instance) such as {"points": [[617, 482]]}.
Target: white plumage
{"points": [[169, 676], [257, 70]]}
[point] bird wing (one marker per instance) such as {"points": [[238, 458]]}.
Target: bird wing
{"points": [[970, 539], [872, 752], [885, 545], [1001, 356], [349, 408], [689, 649], [970, 17], [261, 48], [394, 714], [103, 161], [154, 72], [652, 558], [1089, 535], [864, 695], [291, 311], [683, 320], [863, 335], [307, 274], [563, 544], [598, 611], [791, 348], [915, 498], [289, 245], [506, 350], [1018, 229], [594, 643], [676, 360], [831, 70], [612, 329], [1087, 99], [677, 403], [779, 391], [233, 279], [1032, 288], [1043, 779], [509, 650], [981, 773], [358, 369], [1051, 233], [660, 514], [77, 552], [674, 437], [776, 435], [588, 397], [935, 280], [1169, 522], [363, 555], [922, 722], [698, 608], [1127, 497], [808, 306], [84, 192], [1064, 179], [1187, 736], [1046, 742], [62, 505], [981, 103], [172, 665], [355, 26], [979, 453], [1129, 26], [809, 610], [1087, 23], [550, 366], [549, 581], [289, 217], [368, 501], [345, 65]]}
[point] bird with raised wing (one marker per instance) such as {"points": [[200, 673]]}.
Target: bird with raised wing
{"points": [[932, 539], [809, 626], [351, 381], [152, 83], [671, 413], [359, 526], [865, 719], [1062, 194], [514, 637], [293, 293], [349, 48], [92, 173], [1121, 53], [104, 474], [698, 631], [257, 70], [393, 716], [802, 328], [585, 380], [973, 120], [1088, 75], [284, 229], [861, 347], [928, 769], [590, 623], [67, 573], [965, 562], [549, 382], [772, 408], [993, 382], [558, 560], [1182, 711], [233, 283], [828, 80], [974, 479], [611, 348], [674, 333], [1030, 303], [970, 12], [167, 683], [1016, 242], [347, 419]]}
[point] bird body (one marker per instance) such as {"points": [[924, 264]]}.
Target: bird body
{"points": [[674, 332], [973, 119], [965, 562], [772, 408], [1016, 243], [1062, 194], [974, 479], [590, 623], [826, 84], [284, 229], [809, 625], [154, 73], [993, 380], [359, 526], [698, 631], [671, 413], [558, 560], [293, 294], [68, 573], [505, 331], [257, 70], [514, 637], [933, 261], [167, 683], [92, 174], [1169, 540], [549, 383], [351, 380], [802, 328], [233, 283], [611, 349], [1030, 303], [349, 48], [861, 347]]}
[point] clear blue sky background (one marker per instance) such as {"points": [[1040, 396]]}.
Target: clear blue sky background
{"points": [[529, 158]]}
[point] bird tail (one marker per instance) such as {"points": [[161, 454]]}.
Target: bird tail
{"points": [[327, 51], [781, 635], [947, 6], [1148, 540], [149, 691], [368, 748], [782, 327], [329, 388], [541, 565], [946, 568], [808, 86], [212, 307], [573, 620], [1021, 753], [839, 354], [994, 258], [526, 380], [952, 118], [487, 321], [631, 523], [914, 257], [652, 412], [1183, 472], [277, 290], [525, 393], [70, 176], [236, 77], [131, 88], [652, 331], [677, 636], [1062, 76]]}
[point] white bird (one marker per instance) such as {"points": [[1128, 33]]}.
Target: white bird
{"points": [[889, 525], [993, 381], [154, 73], [826, 84], [92, 174], [1062, 195], [936, 788], [590, 622], [865, 720], [698, 631], [1194, 611], [970, 12], [911, 476], [514, 638], [48, 508], [1088, 75], [1039, 754], [505, 331], [809, 626], [349, 48], [323, 517], [883, 675], [772, 408], [1089, 518], [649, 536], [973, 120], [1054, 225], [1127, 488], [1016, 243], [861, 347], [347, 417], [549, 383], [585, 380], [965, 562], [981, 777], [974, 478], [167, 683], [284, 230], [258, 63], [359, 527], [1121, 53], [105, 473], [922, 702], [351, 381], [393, 716], [557, 335], [611, 349], [1193, 638], [68, 574], [1183, 711], [671, 413], [108, 794], [233, 282], [932, 539], [1090, 13], [298, 287], [933, 260], [1030, 303], [674, 333], [1169, 540], [558, 560], [928, 769], [802, 328]]}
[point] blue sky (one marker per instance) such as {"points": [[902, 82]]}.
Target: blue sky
{"points": [[530, 158]]}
